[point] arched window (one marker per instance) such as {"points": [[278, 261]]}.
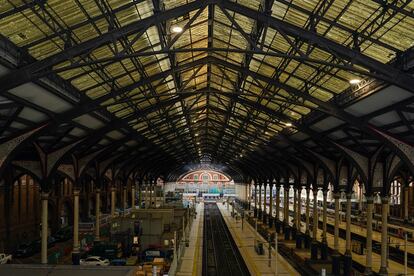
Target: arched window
{"points": [[395, 192], [196, 177]]}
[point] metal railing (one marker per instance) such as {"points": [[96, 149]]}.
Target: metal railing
{"points": [[90, 226]]}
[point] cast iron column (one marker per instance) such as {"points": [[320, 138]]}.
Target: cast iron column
{"points": [[368, 263], [336, 263], [255, 200], [406, 204], [286, 212], [113, 201], [307, 230], [264, 215], [270, 205], [97, 214], [260, 201], [315, 220], [44, 197], [294, 229], [384, 236], [348, 252], [277, 218], [76, 221], [324, 245]]}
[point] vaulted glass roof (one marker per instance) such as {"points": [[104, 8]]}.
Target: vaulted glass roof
{"points": [[218, 79]]}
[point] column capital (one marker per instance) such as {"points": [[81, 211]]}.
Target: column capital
{"points": [[113, 189], [44, 195], [385, 199], [76, 192], [337, 195], [98, 190], [370, 199]]}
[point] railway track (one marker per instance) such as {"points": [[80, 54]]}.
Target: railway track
{"points": [[221, 256]]}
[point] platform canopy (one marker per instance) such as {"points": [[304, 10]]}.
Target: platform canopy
{"points": [[250, 85]]}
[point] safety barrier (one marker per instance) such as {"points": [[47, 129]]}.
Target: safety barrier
{"points": [[89, 227]]}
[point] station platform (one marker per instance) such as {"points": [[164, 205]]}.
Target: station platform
{"points": [[376, 235], [244, 238], [191, 262], [360, 230], [394, 268]]}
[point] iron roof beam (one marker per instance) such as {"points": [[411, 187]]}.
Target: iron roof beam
{"points": [[30, 72], [390, 73]]}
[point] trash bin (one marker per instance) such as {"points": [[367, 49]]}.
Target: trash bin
{"points": [[259, 248]]}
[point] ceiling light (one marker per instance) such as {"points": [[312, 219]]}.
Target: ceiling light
{"points": [[196, 134], [198, 143], [354, 81], [241, 155], [176, 29], [288, 124]]}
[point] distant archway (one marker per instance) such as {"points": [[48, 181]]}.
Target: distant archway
{"points": [[201, 182]]}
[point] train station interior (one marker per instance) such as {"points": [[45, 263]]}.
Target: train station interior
{"points": [[206, 137]]}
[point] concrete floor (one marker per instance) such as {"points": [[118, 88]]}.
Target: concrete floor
{"points": [[64, 270], [244, 238], [394, 268], [192, 261]]}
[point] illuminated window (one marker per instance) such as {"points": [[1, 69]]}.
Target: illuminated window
{"points": [[395, 192]]}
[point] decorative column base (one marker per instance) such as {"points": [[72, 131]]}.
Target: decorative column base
{"points": [[324, 251], [299, 238], [270, 222], [347, 265], [368, 271], [336, 264], [383, 271], [294, 232], [76, 257], [314, 250], [307, 241], [286, 231], [278, 226]]}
